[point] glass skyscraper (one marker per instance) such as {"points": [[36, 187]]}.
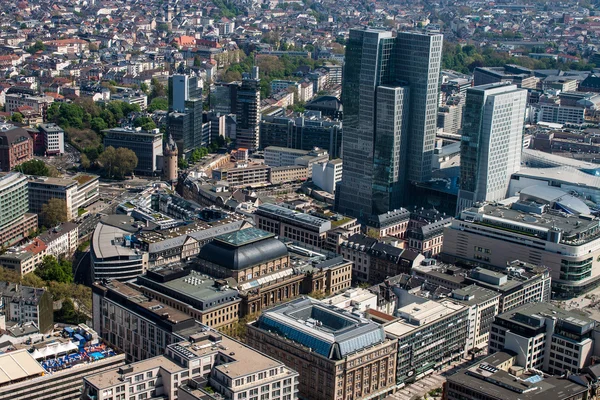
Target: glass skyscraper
{"points": [[491, 143], [389, 94]]}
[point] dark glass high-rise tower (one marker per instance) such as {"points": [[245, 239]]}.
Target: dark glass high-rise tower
{"points": [[389, 94]]}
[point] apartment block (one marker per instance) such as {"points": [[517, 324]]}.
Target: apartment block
{"points": [[22, 304], [337, 354], [16, 147], [374, 261]]}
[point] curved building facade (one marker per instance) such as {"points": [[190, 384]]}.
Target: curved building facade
{"points": [[112, 256]]}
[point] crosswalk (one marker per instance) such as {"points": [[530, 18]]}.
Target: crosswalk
{"points": [[418, 389]]}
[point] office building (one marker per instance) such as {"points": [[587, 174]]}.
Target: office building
{"points": [[520, 76], [389, 117], [248, 112], [181, 89], [483, 306], [430, 334], [16, 147], [292, 225], [131, 97], [243, 176], [337, 354], [306, 132], [223, 97], [22, 304], [545, 337], [79, 191], [35, 376], [492, 141], [326, 175], [111, 258], [210, 301], [15, 221], [54, 139], [568, 245], [24, 258], [206, 366], [519, 283], [499, 376], [147, 146], [136, 324], [374, 261], [285, 156]]}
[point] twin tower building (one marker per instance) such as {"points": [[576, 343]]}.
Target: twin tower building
{"points": [[390, 97]]}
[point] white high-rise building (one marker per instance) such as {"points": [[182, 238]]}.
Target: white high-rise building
{"points": [[491, 142]]}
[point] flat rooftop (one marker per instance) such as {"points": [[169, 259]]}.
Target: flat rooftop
{"points": [[415, 316]]}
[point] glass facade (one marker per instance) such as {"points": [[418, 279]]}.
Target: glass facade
{"points": [[385, 79]]}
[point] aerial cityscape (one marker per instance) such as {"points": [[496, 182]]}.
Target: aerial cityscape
{"points": [[299, 200]]}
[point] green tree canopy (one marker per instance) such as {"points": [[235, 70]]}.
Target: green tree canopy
{"points": [[54, 212], [146, 123], [117, 163], [52, 269], [37, 168], [158, 103]]}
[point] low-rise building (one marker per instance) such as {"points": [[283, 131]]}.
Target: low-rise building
{"points": [[26, 258], [206, 366], [33, 378], [243, 176], [483, 307], [545, 337], [392, 223], [518, 284], [54, 139], [147, 146], [285, 157], [327, 174], [430, 334], [426, 231], [16, 147], [38, 104], [22, 304], [77, 192], [62, 240], [338, 354], [499, 377], [292, 173], [292, 225], [374, 261]]}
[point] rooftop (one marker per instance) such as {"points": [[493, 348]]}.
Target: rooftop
{"points": [[310, 221], [244, 236], [327, 330], [414, 316]]}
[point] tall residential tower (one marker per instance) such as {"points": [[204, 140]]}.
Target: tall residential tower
{"points": [[492, 142], [389, 94]]}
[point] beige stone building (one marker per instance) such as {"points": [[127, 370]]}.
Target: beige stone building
{"points": [[339, 355]]}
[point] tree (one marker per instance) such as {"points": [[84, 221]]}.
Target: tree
{"points": [[158, 103], [182, 163], [146, 123], [52, 269], [373, 233], [37, 168], [17, 117], [158, 89], [98, 124], [54, 212], [37, 46], [117, 163], [85, 161]]}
